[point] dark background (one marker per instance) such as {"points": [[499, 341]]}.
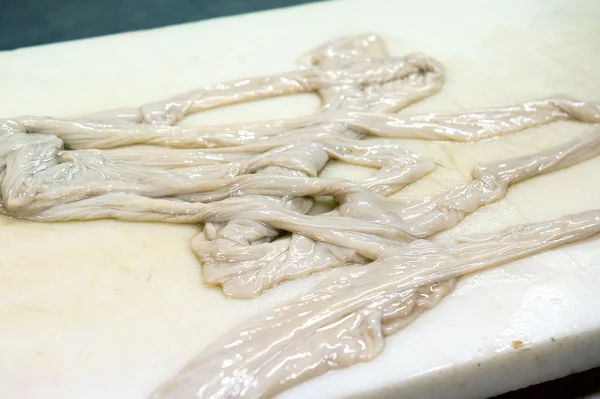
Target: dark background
{"points": [[32, 22]]}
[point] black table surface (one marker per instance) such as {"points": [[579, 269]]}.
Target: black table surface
{"points": [[32, 22]]}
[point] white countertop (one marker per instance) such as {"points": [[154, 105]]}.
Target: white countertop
{"points": [[109, 309]]}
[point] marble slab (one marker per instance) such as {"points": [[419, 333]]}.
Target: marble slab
{"points": [[109, 309]]}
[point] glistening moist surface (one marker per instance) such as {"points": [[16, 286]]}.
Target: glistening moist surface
{"points": [[83, 304]]}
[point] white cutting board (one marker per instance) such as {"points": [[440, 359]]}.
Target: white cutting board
{"points": [[108, 309]]}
